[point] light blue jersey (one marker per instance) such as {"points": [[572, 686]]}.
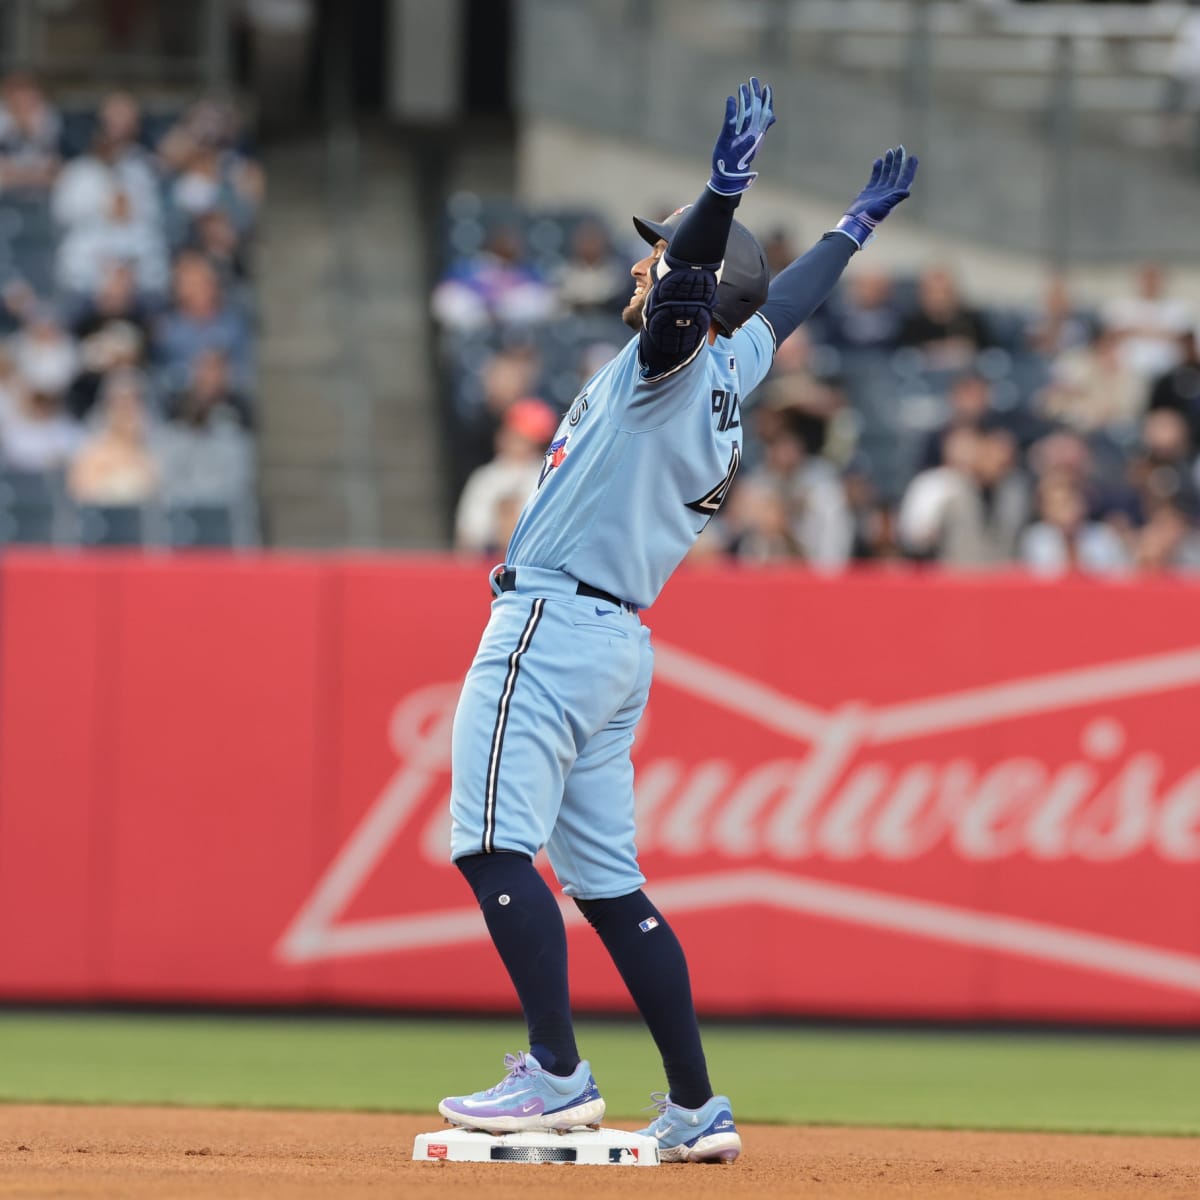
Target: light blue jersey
{"points": [[639, 466]]}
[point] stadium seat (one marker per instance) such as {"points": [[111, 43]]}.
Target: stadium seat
{"points": [[200, 527], [27, 508], [112, 525]]}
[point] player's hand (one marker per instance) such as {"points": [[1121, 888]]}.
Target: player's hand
{"points": [[747, 117], [890, 182]]}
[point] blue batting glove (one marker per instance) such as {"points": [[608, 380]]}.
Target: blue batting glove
{"points": [[747, 118], [889, 184]]}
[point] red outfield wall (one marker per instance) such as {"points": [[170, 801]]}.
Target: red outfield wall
{"points": [[226, 780]]}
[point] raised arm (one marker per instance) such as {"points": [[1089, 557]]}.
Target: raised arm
{"points": [[678, 310], [798, 290]]}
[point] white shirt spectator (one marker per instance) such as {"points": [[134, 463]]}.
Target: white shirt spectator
{"points": [[1148, 324], [926, 502], [85, 188], [209, 464], [88, 250], [35, 435], [480, 522], [475, 520]]}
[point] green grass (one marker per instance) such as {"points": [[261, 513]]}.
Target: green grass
{"points": [[948, 1079]]}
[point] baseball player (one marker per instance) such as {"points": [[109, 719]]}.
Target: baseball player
{"points": [[545, 723]]}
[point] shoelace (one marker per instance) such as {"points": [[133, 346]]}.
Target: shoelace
{"points": [[659, 1103], [515, 1067]]}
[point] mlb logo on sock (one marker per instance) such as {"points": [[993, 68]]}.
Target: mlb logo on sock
{"points": [[648, 924]]}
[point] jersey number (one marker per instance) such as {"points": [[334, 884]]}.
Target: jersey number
{"points": [[709, 504]]}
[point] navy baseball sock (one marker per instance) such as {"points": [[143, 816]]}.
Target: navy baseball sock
{"points": [[527, 930], [650, 960]]}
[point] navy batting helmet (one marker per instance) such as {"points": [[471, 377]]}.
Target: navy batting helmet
{"points": [[744, 278]]}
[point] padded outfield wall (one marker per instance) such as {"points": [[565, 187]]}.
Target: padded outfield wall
{"points": [[224, 780]]}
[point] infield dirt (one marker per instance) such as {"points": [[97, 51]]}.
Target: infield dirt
{"points": [[139, 1153]]}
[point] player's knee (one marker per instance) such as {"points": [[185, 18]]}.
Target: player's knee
{"points": [[489, 874], [598, 913]]}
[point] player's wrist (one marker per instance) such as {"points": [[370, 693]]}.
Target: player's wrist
{"points": [[730, 185], [858, 227]]}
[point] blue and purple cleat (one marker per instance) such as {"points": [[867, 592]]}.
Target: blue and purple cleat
{"points": [[704, 1134], [529, 1097]]}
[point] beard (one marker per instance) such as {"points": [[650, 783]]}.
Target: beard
{"points": [[631, 314]]}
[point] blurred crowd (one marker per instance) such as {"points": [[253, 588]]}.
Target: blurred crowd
{"points": [[127, 322], [904, 423]]}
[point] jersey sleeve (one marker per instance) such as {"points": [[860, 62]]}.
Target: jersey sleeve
{"points": [[753, 346]]}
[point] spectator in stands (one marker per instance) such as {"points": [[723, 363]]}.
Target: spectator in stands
{"points": [[115, 346], [1149, 324], [215, 236], [521, 442], [970, 401], [946, 331], [818, 518], [200, 319], [496, 285], [875, 534], [89, 249], [1065, 454], [205, 455], [1064, 540], [1163, 468], [114, 465], [35, 433], [1168, 541], [970, 511], [117, 162], [30, 133], [115, 299], [1057, 326], [793, 395], [759, 526], [591, 279], [793, 385], [45, 354], [1092, 387], [507, 376], [1179, 388], [864, 313], [507, 513], [207, 169], [209, 394]]}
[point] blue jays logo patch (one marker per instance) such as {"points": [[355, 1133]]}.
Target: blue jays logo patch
{"points": [[556, 452]]}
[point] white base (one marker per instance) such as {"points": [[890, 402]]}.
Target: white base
{"points": [[588, 1147]]}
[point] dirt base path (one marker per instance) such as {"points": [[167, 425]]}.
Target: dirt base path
{"points": [[139, 1153]]}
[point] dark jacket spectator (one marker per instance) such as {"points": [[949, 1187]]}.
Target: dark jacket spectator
{"points": [[210, 393], [944, 328], [1179, 388]]}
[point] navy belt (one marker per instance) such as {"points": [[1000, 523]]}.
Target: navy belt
{"points": [[506, 581]]}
